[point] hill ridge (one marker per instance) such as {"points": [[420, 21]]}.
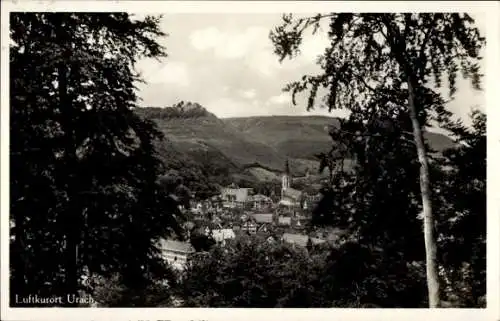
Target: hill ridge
{"points": [[253, 145]]}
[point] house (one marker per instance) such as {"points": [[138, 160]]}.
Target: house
{"points": [[176, 253], [291, 197], [312, 199], [284, 220], [235, 197], [211, 226], [200, 207], [263, 218], [249, 227], [222, 235], [260, 201], [300, 239]]}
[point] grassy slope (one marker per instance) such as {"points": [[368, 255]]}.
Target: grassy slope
{"points": [[204, 138], [209, 134], [303, 136], [292, 136], [255, 146]]}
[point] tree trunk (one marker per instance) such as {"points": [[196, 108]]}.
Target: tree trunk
{"points": [[70, 215], [430, 240]]}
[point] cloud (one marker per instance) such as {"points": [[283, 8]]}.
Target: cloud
{"points": [[205, 39], [171, 72], [227, 44], [313, 46], [282, 99], [227, 63], [265, 63], [231, 107], [466, 99], [250, 45], [248, 94]]}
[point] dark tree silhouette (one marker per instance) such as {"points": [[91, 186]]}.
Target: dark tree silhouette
{"points": [[371, 53], [84, 197]]}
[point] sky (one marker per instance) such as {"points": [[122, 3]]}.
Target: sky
{"points": [[226, 63]]}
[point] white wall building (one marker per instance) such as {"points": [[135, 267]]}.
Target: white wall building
{"points": [[176, 253]]}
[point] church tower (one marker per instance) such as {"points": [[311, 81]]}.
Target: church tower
{"points": [[285, 179]]}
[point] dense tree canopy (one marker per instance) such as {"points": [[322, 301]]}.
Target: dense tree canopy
{"points": [[463, 220], [84, 197], [391, 56], [377, 207], [254, 272]]}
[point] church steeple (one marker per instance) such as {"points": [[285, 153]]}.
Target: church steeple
{"points": [[285, 180]]}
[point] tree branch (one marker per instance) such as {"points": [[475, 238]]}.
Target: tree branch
{"points": [[397, 45], [366, 84], [424, 43]]}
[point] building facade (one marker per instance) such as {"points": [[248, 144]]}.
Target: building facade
{"points": [[235, 197], [176, 253]]}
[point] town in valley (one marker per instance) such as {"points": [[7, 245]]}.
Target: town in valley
{"points": [[250, 160], [237, 211]]}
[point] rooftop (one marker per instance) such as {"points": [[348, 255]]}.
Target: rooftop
{"points": [[285, 220], [300, 239], [177, 246], [223, 234], [263, 218], [286, 202], [260, 197], [292, 193]]}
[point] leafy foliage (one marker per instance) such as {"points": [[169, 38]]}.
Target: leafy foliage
{"points": [[252, 273], [111, 292], [84, 168], [463, 221], [369, 50], [362, 276], [386, 62], [379, 208]]}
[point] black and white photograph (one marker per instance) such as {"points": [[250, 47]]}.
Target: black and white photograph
{"points": [[313, 159]]}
